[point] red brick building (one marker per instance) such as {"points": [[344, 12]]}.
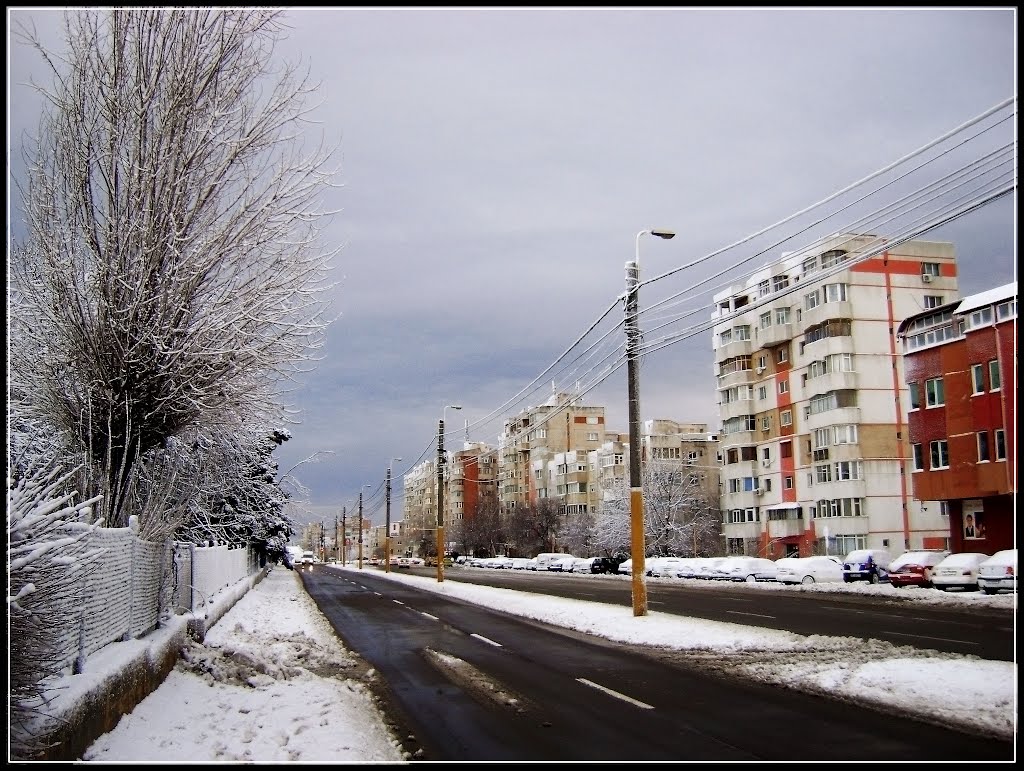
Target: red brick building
{"points": [[961, 370]]}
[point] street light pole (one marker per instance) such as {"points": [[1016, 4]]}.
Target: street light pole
{"points": [[361, 526], [344, 538], [387, 520], [440, 490], [638, 545]]}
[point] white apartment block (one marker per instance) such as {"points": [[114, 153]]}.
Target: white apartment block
{"points": [[812, 399]]}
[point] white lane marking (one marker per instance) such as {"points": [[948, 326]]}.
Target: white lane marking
{"points": [[616, 694], [740, 613], [435, 618], [484, 639], [925, 637], [398, 602]]}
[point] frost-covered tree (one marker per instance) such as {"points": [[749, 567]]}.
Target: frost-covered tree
{"points": [[46, 562], [171, 279], [535, 528], [680, 516]]}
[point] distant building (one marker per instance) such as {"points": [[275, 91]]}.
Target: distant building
{"points": [[960, 362], [813, 401]]}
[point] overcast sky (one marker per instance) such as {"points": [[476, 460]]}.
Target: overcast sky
{"points": [[497, 165]]}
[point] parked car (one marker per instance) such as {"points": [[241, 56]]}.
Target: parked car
{"points": [[808, 570], [531, 564], [563, 565], [691, 568], [958, 571], [659, 567], [914, 568], [607, 564], [708, 566], [582, 565], [626, 567], [742, 568], [544, 559], [998, 572], [520, 563], [405, 562], [501, 562], [870, 565]]}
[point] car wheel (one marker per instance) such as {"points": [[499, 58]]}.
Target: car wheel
{"points": [[846, 579], [751, 579], [874, 578], [988, 590], [807, 580]]}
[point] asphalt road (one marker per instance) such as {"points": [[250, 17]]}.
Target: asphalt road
{"points": [[984, 632], [462, 682]]}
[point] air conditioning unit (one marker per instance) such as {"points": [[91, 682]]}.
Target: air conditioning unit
{"points": [[758, 491], [760, 370], [766, 462], [927, 278]]}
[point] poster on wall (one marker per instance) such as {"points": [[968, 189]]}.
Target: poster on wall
{"points": [[973, 521]]}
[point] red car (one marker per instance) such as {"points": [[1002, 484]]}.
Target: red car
{"points": [[914, 568]]}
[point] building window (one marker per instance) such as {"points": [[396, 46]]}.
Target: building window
{"points": [[981, 317], [782, 315], [1000, 444], [763, 288], [918, 457], [940, 454], [823, 473], [788, 483], [783, 386], [762, 392], [834, 293], [762, 363], [786, 418], [993, 375], [930, 269], [932, 300], [1006, 310], [983, 456], [915, 395], [934, 392], [766, 423], [977, 379], [766, 320], [847, 470], [591, 436], [782, 356]]}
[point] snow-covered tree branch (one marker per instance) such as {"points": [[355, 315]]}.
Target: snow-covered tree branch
{"points": [[172, 280]]}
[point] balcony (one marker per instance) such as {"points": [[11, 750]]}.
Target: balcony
{"points": [[774, 335], [735, 409], [736, 378], [785, 528], [826, 312], [838, 415], [830, 381]]}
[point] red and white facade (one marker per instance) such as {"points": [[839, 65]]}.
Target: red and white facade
{"points": [[961, 368], [814, 442]]}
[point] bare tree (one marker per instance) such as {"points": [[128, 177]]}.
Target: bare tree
{"points": [[171, 281]]}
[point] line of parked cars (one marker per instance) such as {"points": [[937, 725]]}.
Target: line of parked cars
{"points": [[925, 568]]}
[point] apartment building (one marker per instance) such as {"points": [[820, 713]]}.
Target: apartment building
{"points": [[961, 372], [813, 402], [419, 505], [534, 437], [472, 481]]}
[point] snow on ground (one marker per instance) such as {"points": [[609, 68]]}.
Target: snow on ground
{"points": [[273, 684]]}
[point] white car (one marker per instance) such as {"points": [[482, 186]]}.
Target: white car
{"points": [[743, 569], [958, 571], [659, 567], [501, 562], [626, 568], [998, 572], [582, 565], [563, 565], [808, 570], [520, 563]]}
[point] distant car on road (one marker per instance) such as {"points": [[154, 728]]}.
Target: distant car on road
{"points": [[607, 564]]}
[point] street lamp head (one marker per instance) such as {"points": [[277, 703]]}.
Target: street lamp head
{"points": [[454, 407], [666, 234]]}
